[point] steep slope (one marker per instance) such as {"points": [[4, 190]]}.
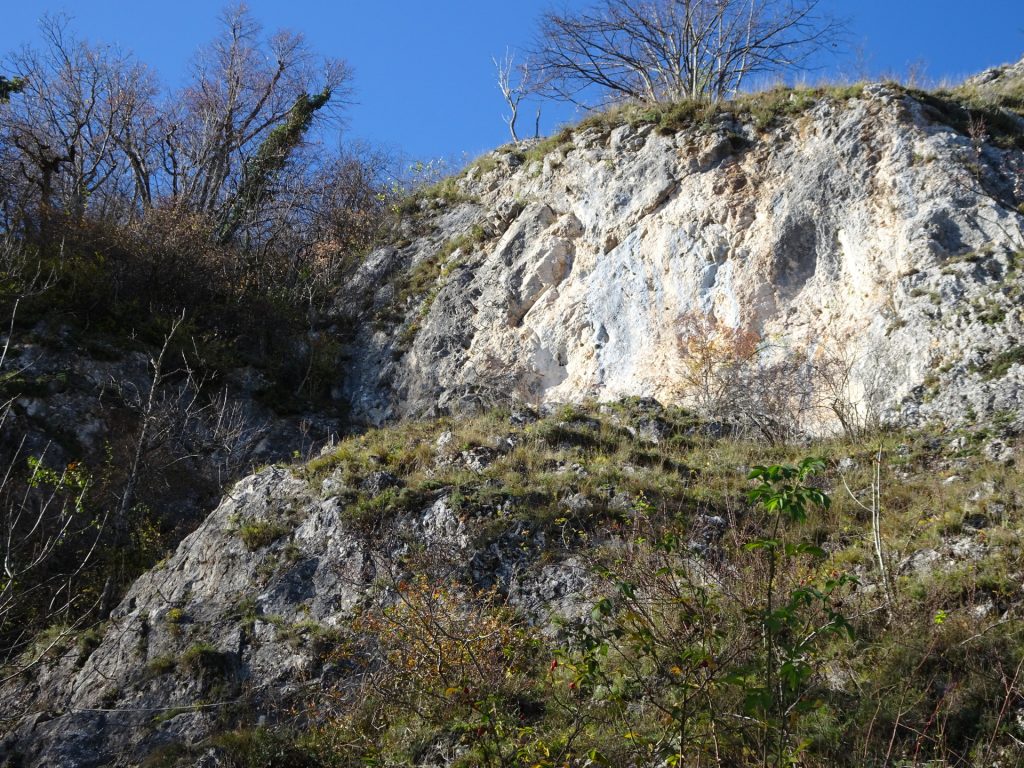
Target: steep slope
{"points": [[862, 229], [318, 616], [859, 255]]}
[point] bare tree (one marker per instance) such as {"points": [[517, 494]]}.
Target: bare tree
{"points": [[145, 191], [714, 356], [669, 50], [515, 84], [244, 89], [89, 137], [336, 211], [148, 410], [68, 122]]}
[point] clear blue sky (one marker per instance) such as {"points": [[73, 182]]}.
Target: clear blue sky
{"points": [[424, 78]]}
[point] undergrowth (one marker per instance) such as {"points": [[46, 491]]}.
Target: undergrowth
{"points": [[689, 574]]}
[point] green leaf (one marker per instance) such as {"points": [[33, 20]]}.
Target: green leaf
{"points": [[805, 548], [601, 609], [757, 701]]}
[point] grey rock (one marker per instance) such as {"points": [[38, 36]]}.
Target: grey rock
{"points": [[715, 525], [521, 415], [379, 481], [966, 548], [998, 450], [578, 504], [438, 524], [251, 610], [333, 485], [556, 594], [479, 458], [653, 430], [444, 440], [621, 502]]}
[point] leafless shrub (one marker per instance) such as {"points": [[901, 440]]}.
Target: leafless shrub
{"points": [[977, 130], [731, 376], [176, 423], [849, 387]]}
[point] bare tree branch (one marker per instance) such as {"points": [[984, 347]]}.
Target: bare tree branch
{"points": [[669, 50], [515, 84]]}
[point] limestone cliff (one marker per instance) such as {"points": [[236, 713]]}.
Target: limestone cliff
{"points": [[869, 227]]}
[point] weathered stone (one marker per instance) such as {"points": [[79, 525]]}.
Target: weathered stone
{"points": [[379, 481], [578, 504], [863, 238], [478, 458]]}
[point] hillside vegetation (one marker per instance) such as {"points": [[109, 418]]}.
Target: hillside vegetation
{"points": [[603, 585], [695, 560], [441, 535]]}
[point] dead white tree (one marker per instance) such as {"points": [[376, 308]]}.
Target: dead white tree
{"points": [[669, 50], [515, 83], [874, 508]]}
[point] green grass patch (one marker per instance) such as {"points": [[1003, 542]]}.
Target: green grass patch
{"points": [[1005, 360], [161, 665], [205, 658], [257, 534], [983, 115]]}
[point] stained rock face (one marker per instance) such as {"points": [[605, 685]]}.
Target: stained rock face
{"points": [[865, 230]]}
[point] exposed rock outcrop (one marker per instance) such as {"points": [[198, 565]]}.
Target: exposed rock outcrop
{"points": [[239, 622], [77, 397], [866, 231]]}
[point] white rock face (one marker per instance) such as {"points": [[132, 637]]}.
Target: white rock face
{"points": [[864, 230]]}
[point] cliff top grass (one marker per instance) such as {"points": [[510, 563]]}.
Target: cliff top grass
{"points": [[997, 108]]}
